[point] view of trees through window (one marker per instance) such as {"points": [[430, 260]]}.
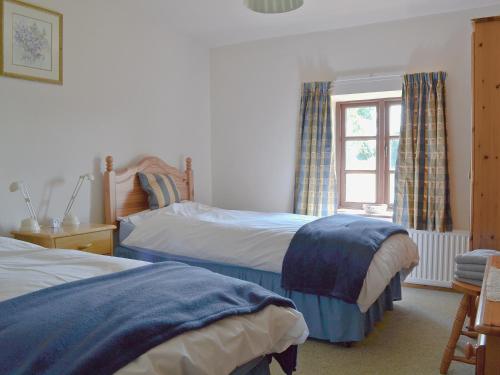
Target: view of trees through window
{"points": [[367, 144]]}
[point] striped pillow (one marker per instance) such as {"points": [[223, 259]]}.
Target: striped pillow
{"points": [[161, 189]]}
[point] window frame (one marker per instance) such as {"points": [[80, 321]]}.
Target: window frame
{"points": [[383, 138]]}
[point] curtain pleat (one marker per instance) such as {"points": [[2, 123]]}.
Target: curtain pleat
{"points": [[422, 196], [314, 175]]}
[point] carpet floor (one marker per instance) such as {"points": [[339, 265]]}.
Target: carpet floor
{"points": [[408, 341]]}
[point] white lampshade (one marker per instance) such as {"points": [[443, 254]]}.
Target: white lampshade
{"points": [[273, 6]]}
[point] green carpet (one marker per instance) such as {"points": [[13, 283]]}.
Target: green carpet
{"points": [[409, 340]]}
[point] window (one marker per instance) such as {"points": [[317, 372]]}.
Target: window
{"points": [[367, 146]]}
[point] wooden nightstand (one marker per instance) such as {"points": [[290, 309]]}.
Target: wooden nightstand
{"points": [[92, 238]]}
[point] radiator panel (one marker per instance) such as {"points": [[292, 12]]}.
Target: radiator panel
{"points": [[437, 256]]}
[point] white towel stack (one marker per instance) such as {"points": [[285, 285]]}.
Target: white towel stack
{"points": [[471, 266]]}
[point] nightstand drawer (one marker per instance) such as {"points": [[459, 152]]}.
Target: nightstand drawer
{"points": [[96, 242]]}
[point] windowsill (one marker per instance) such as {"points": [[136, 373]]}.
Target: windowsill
{"points": [[387, 215]]}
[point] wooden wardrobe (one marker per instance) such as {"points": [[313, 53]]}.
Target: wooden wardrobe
{"points": [[485, 220]]}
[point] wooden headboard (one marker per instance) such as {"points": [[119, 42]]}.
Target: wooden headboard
{"points": [[123, 194]]}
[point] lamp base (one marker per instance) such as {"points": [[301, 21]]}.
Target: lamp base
{"points": [[30, 225], [71, 220], [54, 223]]}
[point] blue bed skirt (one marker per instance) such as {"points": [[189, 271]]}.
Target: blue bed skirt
{"points": [[328, 318]]}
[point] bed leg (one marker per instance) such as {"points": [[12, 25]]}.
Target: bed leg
{"points": [[346, 344]]}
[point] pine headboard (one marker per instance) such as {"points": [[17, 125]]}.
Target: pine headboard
{"points": [[123, 194]]}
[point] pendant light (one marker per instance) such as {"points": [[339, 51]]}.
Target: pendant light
{"points": [[273, 6]]}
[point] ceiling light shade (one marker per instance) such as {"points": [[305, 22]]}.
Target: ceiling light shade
{"points": [[273, 6]]}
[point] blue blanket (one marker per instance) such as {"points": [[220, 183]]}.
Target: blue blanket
{"points": [[98, 325], [330, 256]]}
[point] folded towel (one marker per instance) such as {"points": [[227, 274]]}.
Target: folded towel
{"points": [[470, 267], [479, 256], [493, 285], [470, 275], [469, 281]]}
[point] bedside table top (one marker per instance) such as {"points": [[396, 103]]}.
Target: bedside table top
{"points": [[66, 231]]}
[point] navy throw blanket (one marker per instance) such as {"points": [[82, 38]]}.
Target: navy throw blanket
{"points": [[99, 325], [330, 256]]}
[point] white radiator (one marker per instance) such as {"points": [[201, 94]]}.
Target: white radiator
{"points": [[437, 256]]}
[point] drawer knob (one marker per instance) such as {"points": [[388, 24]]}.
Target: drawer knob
{"points": [[85, 247]]}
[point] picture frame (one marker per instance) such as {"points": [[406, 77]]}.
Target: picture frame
{"points": [[31, 42]]}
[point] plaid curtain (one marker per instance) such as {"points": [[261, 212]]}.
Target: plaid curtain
{"points": [[314, 174], [422, 196]]}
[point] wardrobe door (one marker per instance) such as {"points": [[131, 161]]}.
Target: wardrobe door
{"points": [[486, 134]]}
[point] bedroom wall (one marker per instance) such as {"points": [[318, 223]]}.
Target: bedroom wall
{"points": [[255, 93], [131, 87]]}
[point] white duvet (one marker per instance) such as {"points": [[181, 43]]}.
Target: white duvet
{"points": [[253, 239], [214, 350]]}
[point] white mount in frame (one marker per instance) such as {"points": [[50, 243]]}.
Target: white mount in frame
{"points": [[30, 42]]}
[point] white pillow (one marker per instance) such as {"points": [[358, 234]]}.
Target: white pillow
{"points": [[9, 244]]}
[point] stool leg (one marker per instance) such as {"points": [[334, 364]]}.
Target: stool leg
{"points": [[455, 334], [472, 312]]}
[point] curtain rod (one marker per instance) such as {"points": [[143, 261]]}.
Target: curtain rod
{"points": [[368, 77]]}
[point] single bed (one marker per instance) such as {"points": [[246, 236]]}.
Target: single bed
{"points": [[236, 344], [246, 245]]}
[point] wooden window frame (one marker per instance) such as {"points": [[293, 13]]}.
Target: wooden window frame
{"points": [[383, 138]]}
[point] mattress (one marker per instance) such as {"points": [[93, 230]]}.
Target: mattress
{"points": [[218, 348], [253, 240]]}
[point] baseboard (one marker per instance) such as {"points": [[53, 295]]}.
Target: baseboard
{"points": [[429, 287], [422, 281]]}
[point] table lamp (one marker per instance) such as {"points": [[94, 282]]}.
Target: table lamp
{"points": [[70, 219], [29, 224]]}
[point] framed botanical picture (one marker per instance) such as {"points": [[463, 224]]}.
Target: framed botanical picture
{"points": [[30, 42]]}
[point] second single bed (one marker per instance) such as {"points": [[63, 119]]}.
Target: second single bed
{"points": [[248, 245]]}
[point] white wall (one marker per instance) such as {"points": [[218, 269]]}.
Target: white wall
{"points": [[255, 92], [131, 87]]}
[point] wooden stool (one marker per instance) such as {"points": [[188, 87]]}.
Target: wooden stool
{"points": [[467, 308]]}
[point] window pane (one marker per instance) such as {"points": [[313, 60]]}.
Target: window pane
{"points": [[391, 188], [360, 187], [361, 121], [361, 155], [395, 119], [393, 153]]}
